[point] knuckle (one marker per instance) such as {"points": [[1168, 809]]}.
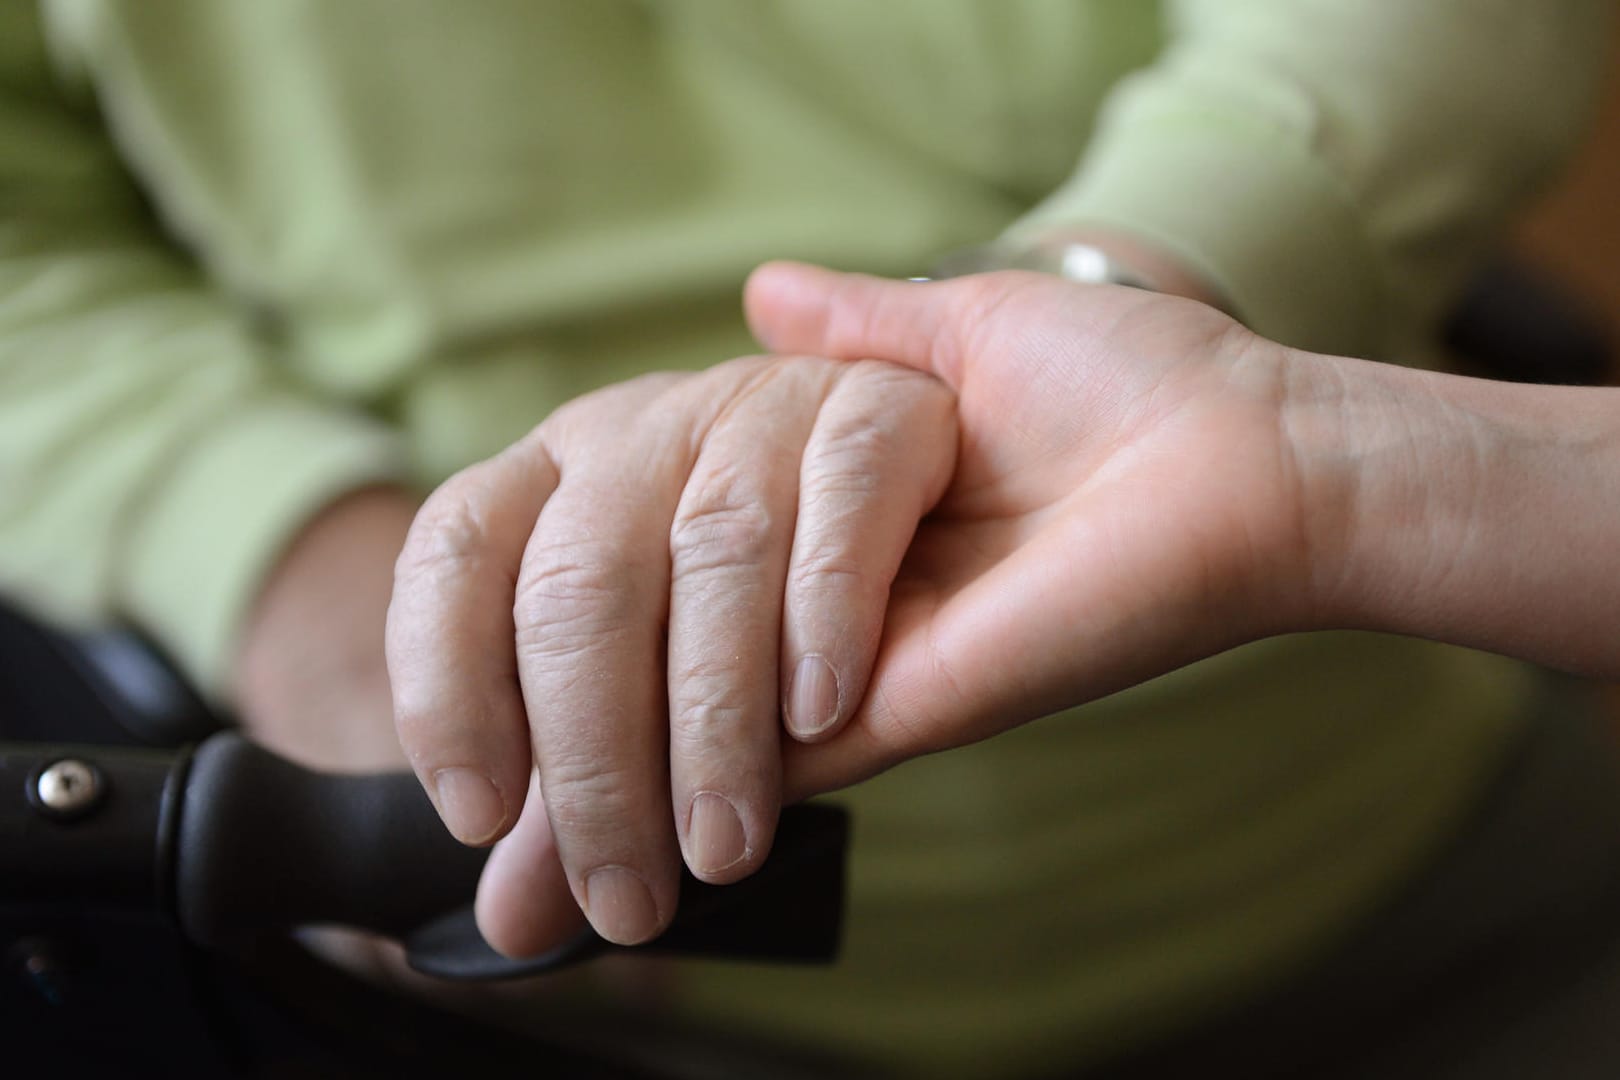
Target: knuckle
{"points": [[708, 692], [844, 478], [722, 522], [587, 412], [441, 722], [708, 723], [840, 478], [451, 532], [721, 738], [415, 702], [882, 376], [830, 567], [414, 723], [850, 444], [570, 597], [847, 449], [586, 795], [738, 371]]}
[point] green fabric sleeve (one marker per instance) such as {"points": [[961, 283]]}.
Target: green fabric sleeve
{"points": [[153, 458], [1334, 168]]}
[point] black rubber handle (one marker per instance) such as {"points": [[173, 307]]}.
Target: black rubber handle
{"points": [[790, 911], [264, 845]]}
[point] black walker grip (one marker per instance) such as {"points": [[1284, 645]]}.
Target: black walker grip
{"points": [[264, 844]]}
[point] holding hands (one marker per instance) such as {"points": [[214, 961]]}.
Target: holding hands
{"points": [[1143, 482], [1126, 499], [1048, 492], [598, 636]]}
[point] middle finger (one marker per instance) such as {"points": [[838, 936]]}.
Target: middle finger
{"points": [[590, 605], [729, 548]]}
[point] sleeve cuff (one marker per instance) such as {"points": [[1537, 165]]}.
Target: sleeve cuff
{"points": [[1247, 208], [198, 552]]}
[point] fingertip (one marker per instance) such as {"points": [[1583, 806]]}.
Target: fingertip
{"points": [[794, 307], [524, 906], [774, 295], [723, 842], [622, 906], [767, 273], [531, 923], [786, 273], [471, 805], [716, 839]]}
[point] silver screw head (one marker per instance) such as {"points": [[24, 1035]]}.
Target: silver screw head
{"points": [[69, 786]]}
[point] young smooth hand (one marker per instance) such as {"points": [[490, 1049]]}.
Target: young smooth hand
{"points": [[1126, 499], [1142, 483]]}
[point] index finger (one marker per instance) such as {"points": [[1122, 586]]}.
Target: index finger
{"points": [[458, 709]]}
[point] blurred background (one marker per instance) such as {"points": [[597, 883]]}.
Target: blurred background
{"points": [[1574, 231]]}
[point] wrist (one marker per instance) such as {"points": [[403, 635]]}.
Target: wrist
{"points": [[310, 679], [1460, 510], [1432, 499], [1360, 435]]}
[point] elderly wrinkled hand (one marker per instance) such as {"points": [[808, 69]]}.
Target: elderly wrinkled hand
{"points": [[597, 636]]}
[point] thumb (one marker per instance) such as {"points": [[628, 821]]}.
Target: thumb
{"points": [[797, 308]]}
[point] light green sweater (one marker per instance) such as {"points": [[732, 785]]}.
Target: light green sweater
{"points": [[256, 253]]}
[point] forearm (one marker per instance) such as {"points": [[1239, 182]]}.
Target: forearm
{"points": [[1479, 513]]}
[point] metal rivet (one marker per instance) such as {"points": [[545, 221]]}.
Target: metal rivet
{"points": [[69, 786]]}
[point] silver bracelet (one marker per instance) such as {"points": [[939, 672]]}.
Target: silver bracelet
{"points": [[1083, 263]]}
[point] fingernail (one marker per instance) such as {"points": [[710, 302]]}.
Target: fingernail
{"points": [[620, 906], [471, 807], [715, 835], [813, 702]]}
